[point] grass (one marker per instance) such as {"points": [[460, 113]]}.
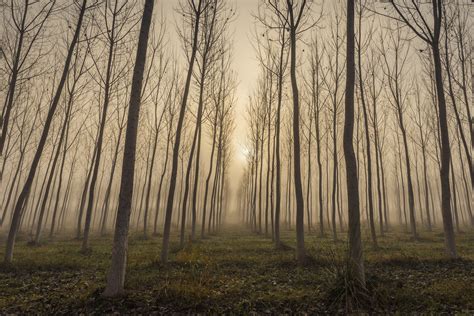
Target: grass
{"points": [[238, 272]]}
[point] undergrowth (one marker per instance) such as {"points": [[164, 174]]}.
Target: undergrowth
{"points": [[241, 273]]}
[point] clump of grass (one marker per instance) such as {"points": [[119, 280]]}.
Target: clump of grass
{"points": [[345, 293]]}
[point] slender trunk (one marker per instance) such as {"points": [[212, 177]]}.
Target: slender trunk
{"points": [[116, 276], [260, 184], [445, 155], [308, 180], [84, 195], [62, 137], [196, 183], [211, 165], [379, 169], [267, 186], [466, 188], [177, 142], [109, 186], [455, 108], [61, 172], [13, 183], [160, 186], [425, 176], [277, 149], [357, 271], [196, 141], [300, 250], [150, 180], [105, 106], [368, 150]]}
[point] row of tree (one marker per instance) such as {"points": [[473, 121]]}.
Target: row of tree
{"points": [[90, 82], [401, 121]]}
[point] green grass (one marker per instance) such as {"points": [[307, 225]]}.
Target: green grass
{"points": [[238, 272]]}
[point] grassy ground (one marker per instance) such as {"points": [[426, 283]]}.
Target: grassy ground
{"points": [[240, 273]]}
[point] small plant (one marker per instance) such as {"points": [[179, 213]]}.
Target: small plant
{"points": [[345, 294]]}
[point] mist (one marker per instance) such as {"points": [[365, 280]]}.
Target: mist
{"points": [[208, 156]]}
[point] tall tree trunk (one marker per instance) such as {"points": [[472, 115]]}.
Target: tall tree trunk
{"points": [[411, 198], [357, 271], [209, 174], [177, 142], [105, 210], [116, 276], [425, 176], [277, 149], [160, 186], [308, 180], [195, 185], [379, 173], [260, 184], [61, 172], [150, 174], [450, 241], [455, 107], [300, 250], [84, 195], [105, 106], [368, 146], [62, 138], [196, 141]]}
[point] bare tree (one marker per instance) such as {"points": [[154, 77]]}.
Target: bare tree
{"points": [[363, 101], [194, 12], [119, 14], [19, 206], [116, 276], [398, 99], [29, 22], [413, 16], [356, 263]]}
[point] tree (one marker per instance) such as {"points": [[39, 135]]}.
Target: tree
{"points": [[411, 14], [356, 261], [116, 276], [398, 99], [315, 90], [20, 204], [297, 14], [194, 12], [364, 105], [119, 15]]}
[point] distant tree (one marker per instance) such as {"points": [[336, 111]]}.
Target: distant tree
{"points": [[118, 23], [395, 70], [20, 204], [411, 14], [192, 11]]}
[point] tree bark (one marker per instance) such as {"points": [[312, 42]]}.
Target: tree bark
{"points": [[116, 276], [300, 250], [356, 264]]}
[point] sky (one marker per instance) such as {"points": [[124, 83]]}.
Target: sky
{"points": [[244, 63]]}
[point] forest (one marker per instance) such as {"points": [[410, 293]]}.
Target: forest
{"points": [[236, 157]]}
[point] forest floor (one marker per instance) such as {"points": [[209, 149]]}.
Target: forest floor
{"points": [[240, 273]]}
